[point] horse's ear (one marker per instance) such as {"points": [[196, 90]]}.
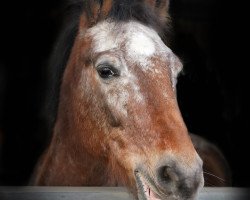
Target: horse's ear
{"points": [[98, 9], [160, 6]]}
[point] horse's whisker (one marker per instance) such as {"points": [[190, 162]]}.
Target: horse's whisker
{"points": [[210, 174]]}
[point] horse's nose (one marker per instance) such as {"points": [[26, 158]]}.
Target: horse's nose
{"points": [[174, 179]]}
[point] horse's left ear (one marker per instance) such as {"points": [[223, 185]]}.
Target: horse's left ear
{"points": [[97, 10], [160, 6]]}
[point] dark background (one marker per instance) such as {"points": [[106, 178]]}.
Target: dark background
{"points": [[208, 35]]}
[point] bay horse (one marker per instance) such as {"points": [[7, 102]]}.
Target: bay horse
{"points": [[118, 122]]}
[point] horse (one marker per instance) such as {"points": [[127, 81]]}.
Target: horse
{"points": [[117, 120]]}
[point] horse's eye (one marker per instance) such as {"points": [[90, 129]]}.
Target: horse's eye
{"points": [[107, 71]]}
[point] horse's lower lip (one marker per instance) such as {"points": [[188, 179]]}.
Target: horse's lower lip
{"points": [[146, 188]]}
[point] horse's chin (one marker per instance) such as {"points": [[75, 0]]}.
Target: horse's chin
{"points": [[146, 188]]}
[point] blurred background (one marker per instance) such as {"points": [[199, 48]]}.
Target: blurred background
{"points": [[208, 35]]}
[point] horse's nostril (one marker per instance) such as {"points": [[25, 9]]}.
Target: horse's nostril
{"points": [[168, 174], [165, 171], [175, 179]]}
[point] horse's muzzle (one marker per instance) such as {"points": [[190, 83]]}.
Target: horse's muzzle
{"points": [[170, 181]]}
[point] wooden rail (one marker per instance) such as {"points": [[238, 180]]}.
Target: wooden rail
{"points": [[106, 193]]}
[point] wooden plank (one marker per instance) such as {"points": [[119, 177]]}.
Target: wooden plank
{"points": [[224, 193], [63, 193], [106, 193]]}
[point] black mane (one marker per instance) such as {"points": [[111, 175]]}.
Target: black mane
{"points": [[135, 10], [122, 10]]}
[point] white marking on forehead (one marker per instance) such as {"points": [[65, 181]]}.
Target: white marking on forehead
{"points": [[140, 42]]}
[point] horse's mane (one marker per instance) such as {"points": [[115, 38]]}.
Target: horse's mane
{"points": [[122, 10]]}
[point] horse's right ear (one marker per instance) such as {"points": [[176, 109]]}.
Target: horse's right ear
{"points": [[160, 6]]}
